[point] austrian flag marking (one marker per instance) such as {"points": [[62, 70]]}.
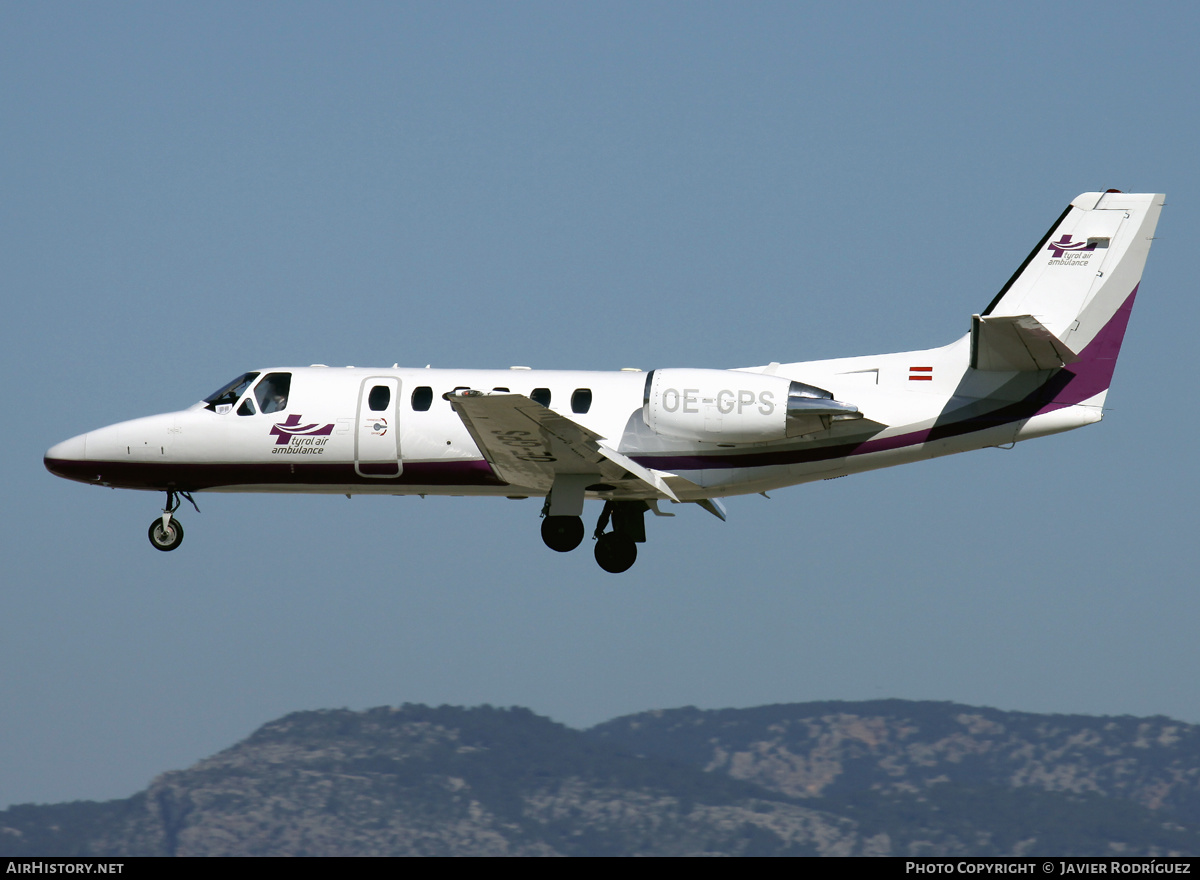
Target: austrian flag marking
{"points": [[920, 374]]}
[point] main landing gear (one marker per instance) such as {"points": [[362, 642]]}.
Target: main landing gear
{"points": [[166, 532], [615, 551], [562, 533]]}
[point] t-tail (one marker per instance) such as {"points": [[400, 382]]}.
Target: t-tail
{"points": [[1066, 308]]}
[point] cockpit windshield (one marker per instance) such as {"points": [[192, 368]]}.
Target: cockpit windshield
{"points": [[272, 392], [222, 401]]}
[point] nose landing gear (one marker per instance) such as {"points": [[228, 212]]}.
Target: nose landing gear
{"points": [[166, 532], [166, 536]]}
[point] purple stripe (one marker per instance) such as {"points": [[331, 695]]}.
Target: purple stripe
{"points": [[1093, 372], [192, 477]]}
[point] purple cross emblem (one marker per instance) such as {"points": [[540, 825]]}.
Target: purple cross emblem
{"points": [[1065, 244], [288, 429]]}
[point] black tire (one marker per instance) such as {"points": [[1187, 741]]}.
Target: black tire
{"points": [[616, 552], [562, 533], [167, 539]]}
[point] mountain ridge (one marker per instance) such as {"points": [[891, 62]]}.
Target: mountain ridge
{"points": [[879, 777]]}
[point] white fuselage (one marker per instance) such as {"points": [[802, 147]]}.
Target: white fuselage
{"points": [[349, 450]]}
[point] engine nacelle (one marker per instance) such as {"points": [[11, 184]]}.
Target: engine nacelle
{"points": [[731, 406]]}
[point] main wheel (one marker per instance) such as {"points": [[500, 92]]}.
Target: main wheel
{"points": [[562, 533], [616, 552], [168, 538]]}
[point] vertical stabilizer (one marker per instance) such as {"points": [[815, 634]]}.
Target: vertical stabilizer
{"points": [[1077, 278], [1066, 309]]}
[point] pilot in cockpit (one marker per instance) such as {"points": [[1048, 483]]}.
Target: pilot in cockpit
{"points": [[272, 392]]}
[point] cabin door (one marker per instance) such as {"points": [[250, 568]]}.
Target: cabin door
{"points": [[377, 438]]}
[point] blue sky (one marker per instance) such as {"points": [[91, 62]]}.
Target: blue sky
{"points": [[191, 191]]}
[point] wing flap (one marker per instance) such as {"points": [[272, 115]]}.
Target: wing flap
{"points": [[654, 478]]}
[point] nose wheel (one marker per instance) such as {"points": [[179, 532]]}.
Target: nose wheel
{"points": [[166, 536], [166, 532]]}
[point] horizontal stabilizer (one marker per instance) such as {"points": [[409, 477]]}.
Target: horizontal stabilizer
{"points": [[1016, 343]]}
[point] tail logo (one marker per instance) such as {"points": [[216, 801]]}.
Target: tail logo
{"points": [[1065, 244]]}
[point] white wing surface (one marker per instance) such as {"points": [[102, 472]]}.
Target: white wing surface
{"points": [[529, 445]]}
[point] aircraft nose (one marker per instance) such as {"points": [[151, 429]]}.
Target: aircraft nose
{"points": [[61, 456], [74, 449]]}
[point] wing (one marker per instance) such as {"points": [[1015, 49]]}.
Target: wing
{"points": [[529, 445]]}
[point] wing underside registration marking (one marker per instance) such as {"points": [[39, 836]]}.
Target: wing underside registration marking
{"points": [[529, 445]]}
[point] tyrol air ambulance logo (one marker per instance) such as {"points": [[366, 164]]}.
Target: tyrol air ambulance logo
{"points": [[1073, 253], [297, 439]]}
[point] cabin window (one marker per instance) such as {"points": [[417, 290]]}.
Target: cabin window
{"points": [[272, 392], [500, 388], [422, 397], [581, 400], [540, 395], [379, 398], [222, 400]]}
